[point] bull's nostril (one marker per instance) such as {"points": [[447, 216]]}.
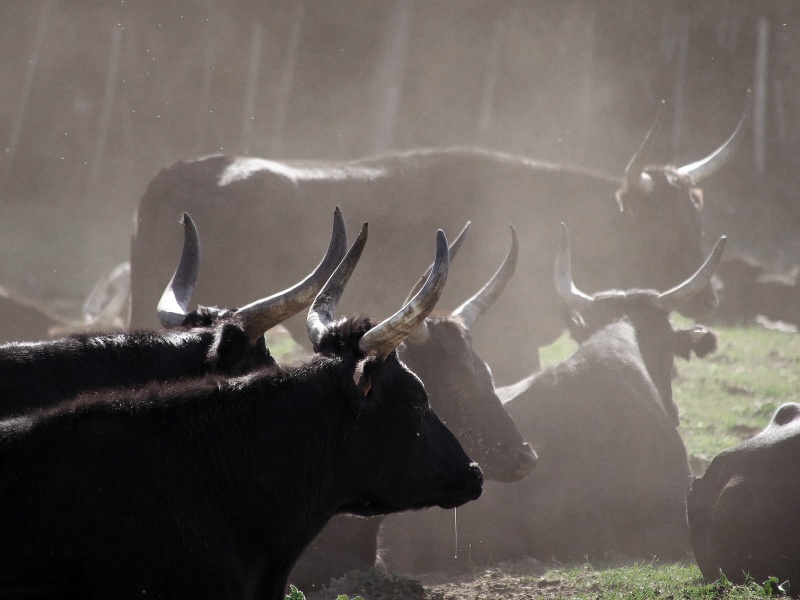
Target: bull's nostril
{"points": [[478, 472]]}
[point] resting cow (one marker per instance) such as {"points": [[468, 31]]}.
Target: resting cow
{"points": [[461, 391], [612, 473], [211, 488], [206, 340], [640, 230], [748, 289], [24, 320], [106, 308], [743, 511]]}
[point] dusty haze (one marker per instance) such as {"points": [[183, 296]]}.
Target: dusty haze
{"points": [[97, 97]]}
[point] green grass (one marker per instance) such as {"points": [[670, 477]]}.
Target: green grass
{"points": [[731, 394], [644, 581]]}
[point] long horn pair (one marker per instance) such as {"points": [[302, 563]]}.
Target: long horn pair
{"points": [[699, 170], [668, 301], [260, 315], [709, 165], [476, 306]]}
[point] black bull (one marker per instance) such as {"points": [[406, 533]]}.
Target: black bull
{"points": [[643, 230], [743, 515]]}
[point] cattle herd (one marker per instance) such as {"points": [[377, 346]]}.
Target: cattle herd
{"points": [[175, 457]]}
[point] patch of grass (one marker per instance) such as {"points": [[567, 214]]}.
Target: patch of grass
{"points": [[557, 351], [645, 581], [732, 394], [374, 584]]}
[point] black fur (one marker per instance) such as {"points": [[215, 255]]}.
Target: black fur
{"points": [[743, 516], [212, 487], [39, 374]]}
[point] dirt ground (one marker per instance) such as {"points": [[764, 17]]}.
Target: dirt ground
{"points": [[522, 580]]}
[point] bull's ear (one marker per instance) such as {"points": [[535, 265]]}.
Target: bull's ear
{"points": [[576, 326], [697, 197], [361, 379], [227, 353], [698, 339]]}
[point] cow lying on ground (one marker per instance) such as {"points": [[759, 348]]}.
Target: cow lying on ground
{"points": [[640, 230], [743, 511], [461, 391], [211, 488], [613, 470], [106, 308], [23, 319], [206, 340], [748, 289]]}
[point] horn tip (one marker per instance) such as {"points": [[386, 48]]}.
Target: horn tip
{"points": [[339, 224], [563, 240], [441, 243], [514, 239]]}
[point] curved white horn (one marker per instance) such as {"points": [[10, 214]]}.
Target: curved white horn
{"points": [[705, 167], [388, 334], [320, 315], [454, 248], [673, 298], [173, 306], [570, 295], [635, 176], [262, 315], [474, 308]]}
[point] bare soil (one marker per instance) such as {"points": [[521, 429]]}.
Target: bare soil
{"points": [[522, 580]]}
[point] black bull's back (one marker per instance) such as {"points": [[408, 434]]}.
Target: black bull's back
{"points": [[405, 197], [742, 511]]}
